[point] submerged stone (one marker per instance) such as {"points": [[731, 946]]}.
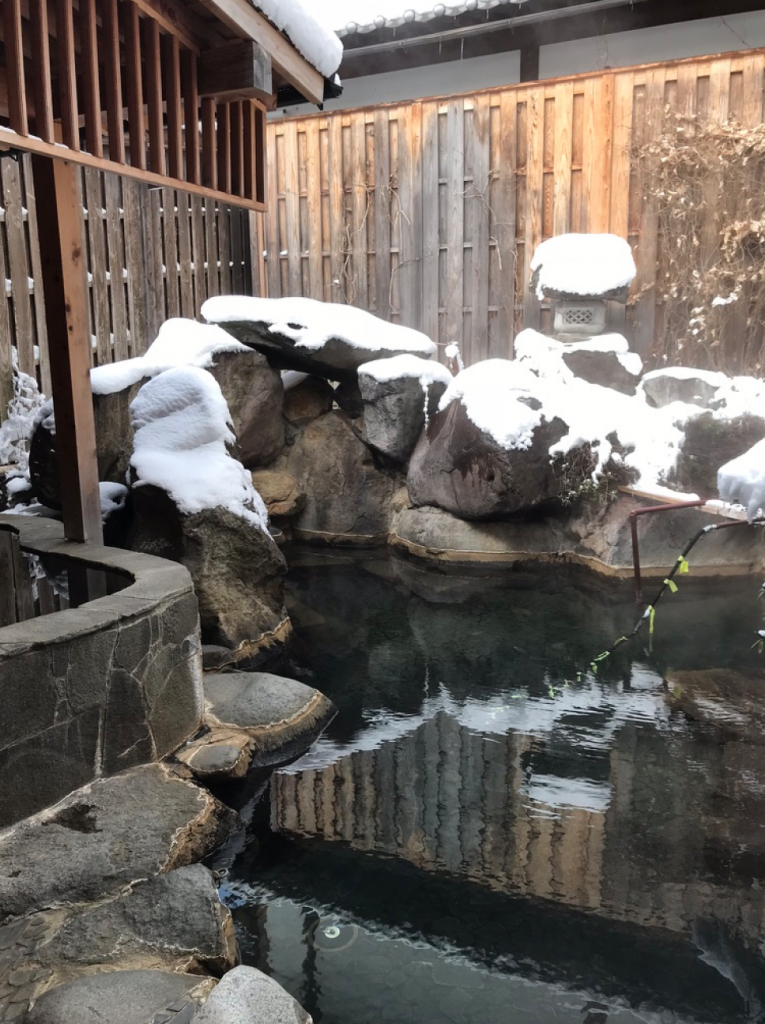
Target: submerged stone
{"points": [[728, 700]]}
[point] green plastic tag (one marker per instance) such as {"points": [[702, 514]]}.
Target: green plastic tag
{"points": [[651, 617], [672, 586], [683, 565]]}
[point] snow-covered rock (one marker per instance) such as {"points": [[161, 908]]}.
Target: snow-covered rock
{"points": [[583, 265], [604, 360], [329, 339], [196, 504], [682, 384], [743, 480], [400, 395]]}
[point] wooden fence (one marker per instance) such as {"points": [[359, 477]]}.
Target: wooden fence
{"points": [[153, 253], [428, 213]]}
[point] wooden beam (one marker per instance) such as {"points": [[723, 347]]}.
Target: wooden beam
{"points": [[191, 115], [14, 59], [42, 91], [247, 23], [136, 121], [64, 283], [113, 80], [28, 144], [90, 80], [240, 70], [67, 74], [209, 157], [172, 73], [153, 58]]}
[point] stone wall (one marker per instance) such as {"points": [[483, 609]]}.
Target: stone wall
{"points": [[88, 691]]}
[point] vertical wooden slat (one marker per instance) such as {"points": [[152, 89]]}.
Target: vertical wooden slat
{"points": [[382, 213], [260, 154], [191, 115], [646, 253], [209, 152], [172, 78], [19, 267], [133, 198], [455, 220], [211, 238], [90, 82], [6, 342], [249, 144], [67, 73], [113, 79], [273, 272], [359, 210], [224, 248], [597, 151], [14, 63], [63, 252], [36, 265], [134, 84], [198, 250], [620, 154], [156, 306], [22, 583], [98, 267], [533, 234], [753, 90], [7, 590], [184, 256], [564, 107], [719, 89], [313, 186], [114, 246], [224, 146], [416, 214], [172, 270], [42, 91], [236, 127], [292, 207], [153, 58], [430, 236], [479, 284]]}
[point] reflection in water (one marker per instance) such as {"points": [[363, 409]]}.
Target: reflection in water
{"points": [[482, 837]]}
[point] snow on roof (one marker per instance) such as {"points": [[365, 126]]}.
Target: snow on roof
{"points": [[349, 16], [406, 365], [180, 342], [743, 480], [582, 264], [181, 424], [309, 32], [310, 324]]}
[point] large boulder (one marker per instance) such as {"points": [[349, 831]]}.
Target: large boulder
{"points": [[254, 394], [107, 836], [348, 499], [464, 470], [282, 494], [324, 338], [605, 368], [246, 995], [237, 568], [306, 401], [399, 395]]}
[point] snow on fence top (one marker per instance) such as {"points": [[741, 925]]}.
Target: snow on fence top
{"points": [[182, 430], [580, 264], [310, 324], [180, 342], [308, 33]]}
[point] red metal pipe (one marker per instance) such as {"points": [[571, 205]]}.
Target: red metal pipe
{"points": [[635, 544]]}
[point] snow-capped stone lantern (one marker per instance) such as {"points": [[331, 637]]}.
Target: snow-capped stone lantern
{"points": [[578, 274]]}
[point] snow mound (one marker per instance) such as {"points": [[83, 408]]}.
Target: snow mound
{"points": [[581, 264], [743, 480], [22, 411], [310, 324], [180, 342], [113, 497], [407, 365], [181, 424], [308, 33]]}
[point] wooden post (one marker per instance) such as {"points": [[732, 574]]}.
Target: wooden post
{"points": [[63, 257]]}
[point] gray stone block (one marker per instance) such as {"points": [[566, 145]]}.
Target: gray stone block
{"points": [[246, 995]]}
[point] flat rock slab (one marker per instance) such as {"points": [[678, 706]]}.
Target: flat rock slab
{"points": [[107, 835], [220, 755], [123, 997], [281, 716], [246, 996]]}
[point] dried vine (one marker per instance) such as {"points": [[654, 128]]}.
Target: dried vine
{"points": [[708, 183]]}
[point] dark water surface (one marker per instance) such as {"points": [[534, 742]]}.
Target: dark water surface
{"points": [[481, 836]]}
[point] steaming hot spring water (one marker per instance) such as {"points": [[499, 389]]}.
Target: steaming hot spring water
{"points": [[489, 831]]}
